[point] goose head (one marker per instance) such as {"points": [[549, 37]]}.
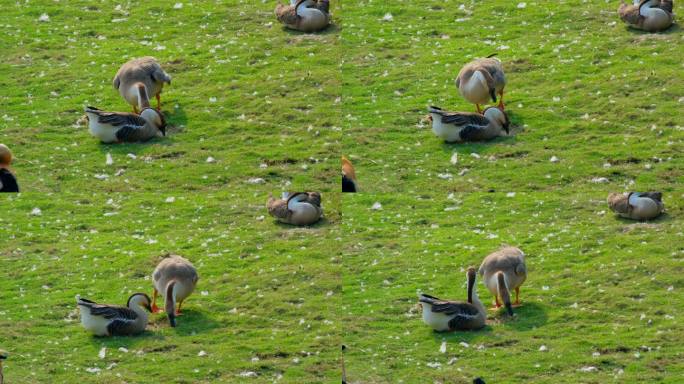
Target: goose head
{"points": [[140, 300], [5, 155], [495, 114], [154, 117]]}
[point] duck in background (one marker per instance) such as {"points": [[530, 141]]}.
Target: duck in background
{"points": [[299, 208], [647, 15], [145, 72], [304, 15], [637, 205]]}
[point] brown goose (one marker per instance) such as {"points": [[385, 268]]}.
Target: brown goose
{"points": [[113, 320], [304, 15], [482, 79], [647, 15], [445, 315], [175, 277], [145, 72], [637, 206], [502, 271], [348, 176], [464, 126], [300, 208], [118, 127]]}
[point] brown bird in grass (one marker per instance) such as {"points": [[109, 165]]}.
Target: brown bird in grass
{"points": [[636, 205], [647, 15], [348, 176], [304, 15], [299, 208]]}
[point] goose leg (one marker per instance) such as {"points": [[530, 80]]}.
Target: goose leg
{"points": [[178, 311], [135, 110], [158, 103], [501, 103], [479, 110], [517, 296], [155, 309], [497, 304]]}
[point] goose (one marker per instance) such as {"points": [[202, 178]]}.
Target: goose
{"points": [[112, 320], [636, 205], [175, 277], [502, 271], [144, 71], [647, 15], [444, 315], [304, 15], [8, 182], [348, 176], [3, 356], [300, 208], [117, 127], [344, 370], [482, 79], [464, 126]]}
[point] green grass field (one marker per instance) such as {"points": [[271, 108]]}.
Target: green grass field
{"points": [[265, 302], [601, 292], [275, 109]]}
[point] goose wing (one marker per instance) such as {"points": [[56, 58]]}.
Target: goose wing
{"points": [[117, 119], [108, 311], [448, 307], [464, 119]]}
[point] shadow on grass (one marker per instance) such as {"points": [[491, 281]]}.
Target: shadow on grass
{"points": [[527, 316], [323, 222], [662, 218], [332, 28], [674, 28]]}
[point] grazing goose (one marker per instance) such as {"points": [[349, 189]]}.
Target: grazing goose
{"points": [[304, 15], [117, 127], [637, 206], [464, 126], [348, 176], [300, 208], [175, 277], [3, 356], [482, 79], [144, 71], [8, 182], [112, 320], [502, 271], [647, 15], [444, 315]]}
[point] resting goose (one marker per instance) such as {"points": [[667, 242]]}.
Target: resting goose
{"points": [[482, 79], [464, 126], [304, 15], [117, 127], [144, 71], [637, 206], [348, 176], [647, 15], [300, 208], [502, 271], [175, 277], [444, 315], [3, 356], [112, 320]]}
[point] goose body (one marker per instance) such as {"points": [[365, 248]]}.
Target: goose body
{"points": [[446, 315], [117, 127], [647, 15], [503, 271], [480, 80], [464, 126], [636, 205], [348, 176], [301, 208], [304, 15], [145, 71], [175, 278], [112, 320]]}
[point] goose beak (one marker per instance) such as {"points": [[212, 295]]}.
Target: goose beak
{"points": [[492, 93]]}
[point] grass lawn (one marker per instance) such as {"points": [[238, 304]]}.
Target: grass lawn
{"points": [[265, 302], [602, 295], [262, 101], [606, 101]]}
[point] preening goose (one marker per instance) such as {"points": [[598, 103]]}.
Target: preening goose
{"points": [[444, 315], [112, 320], [636, 205], [300, 208], [304, 15], [117, 127], [647, 15], [144, 71], [3, 356], [502, 271], [482, 79], [464, 126], [348, 176], [175, 277]]}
